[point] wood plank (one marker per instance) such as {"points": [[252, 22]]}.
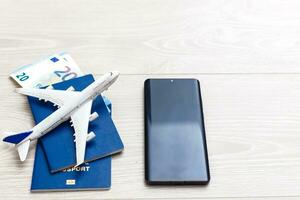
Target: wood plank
{"points": [[252, 124], [147, 36]]}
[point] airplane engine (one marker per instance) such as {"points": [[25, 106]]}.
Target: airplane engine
{"points": [[93, 116], [91, 135]]}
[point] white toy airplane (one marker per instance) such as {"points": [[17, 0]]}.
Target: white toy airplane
{"points": [[72, 104]]}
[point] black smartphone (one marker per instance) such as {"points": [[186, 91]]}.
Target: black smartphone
{"points": [[175, 143]]}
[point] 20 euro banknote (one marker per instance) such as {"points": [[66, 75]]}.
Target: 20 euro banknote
{"points": [[53, 69]]}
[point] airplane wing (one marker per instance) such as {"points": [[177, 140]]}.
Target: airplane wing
{"points": [[58, 97], [80, 120]]}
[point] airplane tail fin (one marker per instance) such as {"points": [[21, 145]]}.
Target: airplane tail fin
{"points": [[17, 138], [22, 147]]}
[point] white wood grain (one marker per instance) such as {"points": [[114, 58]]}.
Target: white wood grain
{"points": [[252, 124], [150, 36]]}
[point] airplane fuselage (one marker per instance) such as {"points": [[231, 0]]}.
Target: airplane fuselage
{"points": [[64, 112]]}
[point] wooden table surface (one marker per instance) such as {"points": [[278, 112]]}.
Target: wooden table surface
{"points": [[246, 54]]}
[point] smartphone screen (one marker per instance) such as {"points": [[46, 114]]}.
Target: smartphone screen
{"points": [[175, 143]]}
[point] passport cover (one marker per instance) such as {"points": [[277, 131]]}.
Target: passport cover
{"points": [[89, 176], [95, 175], [58, 144]]}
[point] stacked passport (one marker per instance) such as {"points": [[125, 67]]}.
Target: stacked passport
{"points": [[55, 155]]}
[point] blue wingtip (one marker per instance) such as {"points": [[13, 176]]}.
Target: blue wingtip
{"points": [[15, 139]]}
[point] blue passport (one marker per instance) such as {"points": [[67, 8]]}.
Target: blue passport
{"points": [[59, 146], [95, 175], [89, 176]]}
